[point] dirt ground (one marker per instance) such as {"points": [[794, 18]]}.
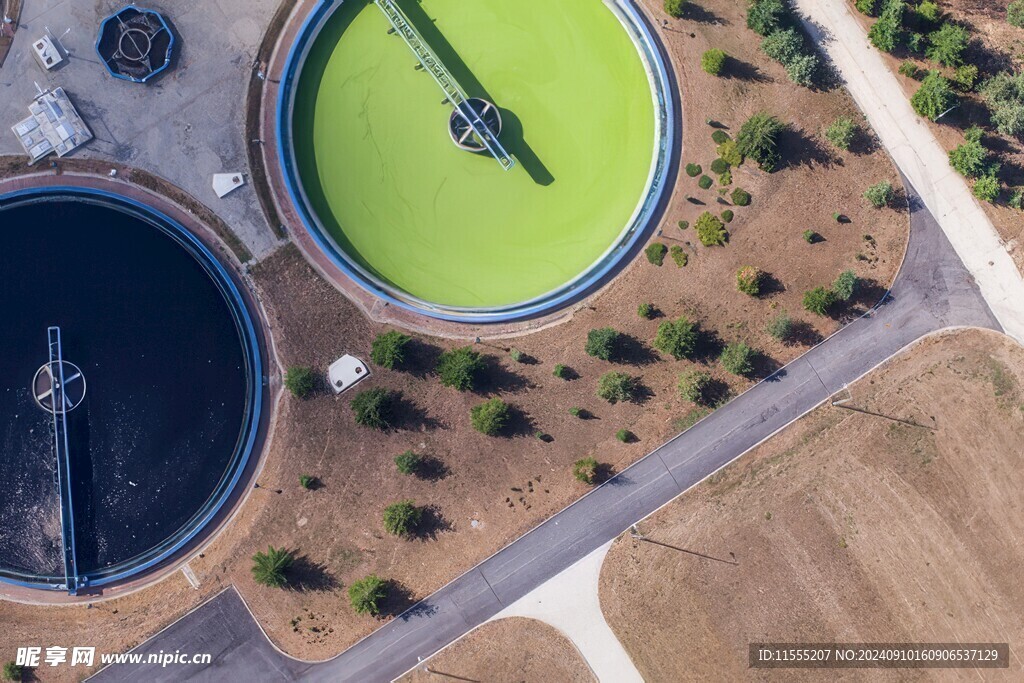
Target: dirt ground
{"points": [[506, 651], [488, 491], [995, 46], [846, 527]]}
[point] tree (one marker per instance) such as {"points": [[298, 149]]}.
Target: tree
{"points": [[987, 187], [408, 462], [678, 338], [1004, 95], [693, 386], [929, 12], [646, 311], [366, 594], [460, 368], [740, 197], [886, 33], [603, 343], [803, 70], [780, 327], [783, 45], [1015, 13], [819, 300], [270, 568], [748, 280], [841, 132], [13, 672], [738, 358], [490, 417], [845, 285], [868, 7], [758, 140], [711, 230], [616, 387], [402, 518], [946, 46], [585, 470], [880, 195], [675, 8], [970, 158], [374, 408], [935, 96], [388, 349], [729, 153], [713, 61], [765, 16], [301, 381], [307, 481], [1016, 200], [655, 252]]}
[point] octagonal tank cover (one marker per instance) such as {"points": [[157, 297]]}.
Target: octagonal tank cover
{"points": [[346, 372]]}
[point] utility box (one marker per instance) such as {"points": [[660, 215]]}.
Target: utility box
{"points": [[46, 52], [346, 372]]}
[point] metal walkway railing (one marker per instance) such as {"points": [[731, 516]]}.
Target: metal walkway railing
{"points": [[452, 90], [62, 452]]}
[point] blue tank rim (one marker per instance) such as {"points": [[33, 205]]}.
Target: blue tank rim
{"points": [[155, 72]]}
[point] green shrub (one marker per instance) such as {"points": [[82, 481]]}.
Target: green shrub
{"points": [[693, 170], [616, 387], [780, 327], [719, 166], [402, 518], [1015, 13], [625, 436], [908, 69], [966, 77], [916, 42], [845, 285], [517, 355], [928, 12], [270, 568], [725, 179], [738, 359], [986, 188], [810, 236], [971, 158], [374, 408], [580, 413], [1004, 96], [366, 594], [306, 481], [679, 256], [678, 338], [841, 132], [886, 33], [408, 462], [713, 61], [729, 152], [765, 16], [727, 216], [934, 97], [819, 300], [603, 343], [656, 253], [562, 372], [460, 368], [585, 470], [740, 197], [490, 417], [683, 225], [13, 671], [300, 381], [693, 386], [946, 46], [710, 230], [749, 279], [675, 8], [388, 349], [880, 195], [705, 182], [803, 70], [720, 136], [783, 45], [758, 140], [646, 311], [868, 7], [1016, 200]]}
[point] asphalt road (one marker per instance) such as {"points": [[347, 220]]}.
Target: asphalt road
{"points": [[933, 291]]}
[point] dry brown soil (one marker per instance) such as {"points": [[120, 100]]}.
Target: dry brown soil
{"points": [[513, 650], [846, 527]]}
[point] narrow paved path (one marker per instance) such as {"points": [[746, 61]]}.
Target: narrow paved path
{"points": [[932, 291]]}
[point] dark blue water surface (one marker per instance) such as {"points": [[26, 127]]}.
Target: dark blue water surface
{"points": [[166, 375]]}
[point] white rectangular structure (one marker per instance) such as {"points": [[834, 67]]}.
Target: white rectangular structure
{"points": [[52, 126]]}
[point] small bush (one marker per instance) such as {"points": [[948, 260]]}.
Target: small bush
{"points": [[885, 34], [585, 470], [749, 279], [729, 152], [928, 12], [306, 481], [966, 77], [710, 230], [720, 136], [803, 70], [388, 349], [408, 462], [908, 69], [460, 368], [693, 170], [1016, 200], [740, 197], [841, 132], [1015, 13], [678, 338], [725, 179], [683, 225], [780, 327], [971, 158], [1004, 96], [783, 45], [366, 594], [679, 256], [738, 359], [934, 97], [603, 343], [646, 311], [845, 285], [713, 61], [719, 166], [300, 381], [868, 7], [705, 182], [655, 253], [490, 417], [675, 8], [517, 355], [810, 236], [374, 408], [562, 372], [580, 413], [402, 518], [880, 195], [13, 671], [693, 386], [758, 140], [765, 16], [946, 46], [625, 436], [270, 568], [986, 188], [819, 300], [617, 387], [727, 216]]}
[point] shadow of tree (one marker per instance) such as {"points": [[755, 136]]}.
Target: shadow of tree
{"points": [[763, 366], [799, 149], [702, 15], [409, 416], [632, 351], [306, 575], [432, 469], [519, 423], [744, 71], [420, 358], [803, 333], [432, 523], [496, 378]]}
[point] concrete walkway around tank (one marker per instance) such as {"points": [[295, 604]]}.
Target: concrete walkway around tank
{"points": [[920, 157]]}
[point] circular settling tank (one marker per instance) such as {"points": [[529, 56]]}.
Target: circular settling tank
{"points": [[157, 443], [366, 137]]}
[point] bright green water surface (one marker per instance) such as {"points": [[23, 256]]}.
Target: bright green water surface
{"points": [[449, 226]]}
